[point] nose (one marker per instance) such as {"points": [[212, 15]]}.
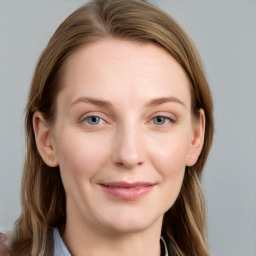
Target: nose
{"points": [[128, 147]]}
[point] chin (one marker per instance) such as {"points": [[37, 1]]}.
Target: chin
{"points": [[131, 222]]}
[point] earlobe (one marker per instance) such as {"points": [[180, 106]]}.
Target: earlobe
{"points": [[197, 141], [43, 139]]}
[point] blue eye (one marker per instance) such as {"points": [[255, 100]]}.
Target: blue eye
{"points": [[161, 120], [93, 120]]}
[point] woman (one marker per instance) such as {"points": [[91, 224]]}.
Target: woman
{"points": [[119, 125]]}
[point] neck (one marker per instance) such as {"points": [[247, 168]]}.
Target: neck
{"points": [[85, 240]]}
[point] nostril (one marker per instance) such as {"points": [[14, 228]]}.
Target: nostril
{"points": [[128, 165]]}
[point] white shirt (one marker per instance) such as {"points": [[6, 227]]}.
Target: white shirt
{"points": [[60, 248]]}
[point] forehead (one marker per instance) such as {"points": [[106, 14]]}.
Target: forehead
{"points": [[127, 70]]}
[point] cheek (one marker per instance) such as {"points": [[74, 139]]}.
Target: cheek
{"points": [[79, 156], [171, 163], [169, 159]]}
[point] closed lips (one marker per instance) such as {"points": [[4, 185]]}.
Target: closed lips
{"points": [[127, 191], [127, 185]]}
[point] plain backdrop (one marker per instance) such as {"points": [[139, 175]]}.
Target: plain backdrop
{"points": [[225, 34]]}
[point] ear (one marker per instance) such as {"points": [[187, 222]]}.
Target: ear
{"points": [[43, 138], [197, 141]]}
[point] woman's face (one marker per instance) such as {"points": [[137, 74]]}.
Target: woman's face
{"points": [[123, 135]]}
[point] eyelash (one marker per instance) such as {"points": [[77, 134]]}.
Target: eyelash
{"points": [[86, 118], [167, 120]]}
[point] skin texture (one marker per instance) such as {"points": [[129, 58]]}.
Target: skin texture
{"points": [[107, 131]]}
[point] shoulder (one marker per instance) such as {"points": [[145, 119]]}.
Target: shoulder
{"points": [[4, 251]]}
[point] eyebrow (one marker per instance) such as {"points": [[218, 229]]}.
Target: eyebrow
{"points": [[162, 100], [94, 101], [104, 103]]}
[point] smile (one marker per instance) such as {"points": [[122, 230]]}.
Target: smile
{"points": [[127, 191]]}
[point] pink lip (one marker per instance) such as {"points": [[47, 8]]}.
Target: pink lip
{"points": [[127, 191]]}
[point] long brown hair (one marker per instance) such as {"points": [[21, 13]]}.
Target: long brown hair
{"points": [[43, 195]]}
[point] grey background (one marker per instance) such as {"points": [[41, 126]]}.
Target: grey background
{"points": [[225, 34]]}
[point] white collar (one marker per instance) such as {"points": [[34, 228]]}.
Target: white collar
{"points": [[60, 248]]}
